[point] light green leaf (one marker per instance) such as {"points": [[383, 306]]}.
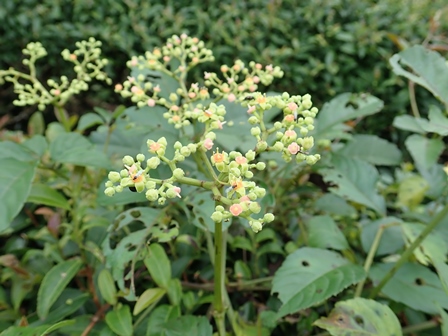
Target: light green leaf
{"points": [[391, 240], [438, 123], [334, 204], [361, 317], [43, 194], [411, 191], [433, 247], [174, 291], [188, 325], [75, 149], [120, 320], [88, 120], [158, 265], [38, 144], [324, 233], [409, 123], [158, 317], [57, 326], [310, 275], [372, 149], [54, 283], [429, 69], [15, 184], [424, 151], [442, 272], [413, 285], [356, 180], [149, 297], [342, 108], [444, 317], [107, 287]]}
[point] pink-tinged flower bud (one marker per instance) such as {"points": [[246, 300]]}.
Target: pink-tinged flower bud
{"points": [[208, 144], [72, 57], [154, 147], [240, 160], [118, 87], [224, 68], [289, 118], [177, 190], [231, 98], [241, 88], [256, 79], [134, 62], [269, 68], [251, 109], [166, 58], [258, 66], [192, 95], [207, 75], [57, 92], [294, 148], [236, 209], [151, 102], [291, 134], [293, 106]]}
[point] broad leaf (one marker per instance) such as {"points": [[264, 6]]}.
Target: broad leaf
{"points": [[343, 108], [187, 325], [324, 233], [411, 191], [372, 149], [45, 195], [429, 69], [310, 275], [334, 204], [391, 240], [88, 120], [54, 283], [75, 149], [107, 287], [361, 317], [158, 318], [120, 320], [424, 151], [409, 123], [355, 180], [158, 265], [413, 285], [149, 296]]}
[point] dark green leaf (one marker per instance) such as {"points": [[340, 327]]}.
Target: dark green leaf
{"points": [[158, 265], [324, 233], [44, 195], [107, 288], [149, 297], [120, 320]]}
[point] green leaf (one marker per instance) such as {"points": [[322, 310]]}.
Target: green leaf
{"points": [[158, 317], [342, 108], [413, 285], [444, 317], [335, 205], [424, 151], [174, 291], [438, 123], [409, 123], [188, 325], [75, 149], [38, 144], [241, 270], [54, 283], [107, 287], [43, 330], [411, 191], [158, 265], [428, 67], [88, 120], [120, 320], [442, 272], [36, 124], [15, 184], [149, 297], [361, 317], [391, 240], [433, 248], [356, 180], [12, 150], [43, 194], [57, 326], [324, 233], [372, 149], [241, 243], [310, 275]]}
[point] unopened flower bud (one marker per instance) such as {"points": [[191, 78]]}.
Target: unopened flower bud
{"points": [[114, 177]]}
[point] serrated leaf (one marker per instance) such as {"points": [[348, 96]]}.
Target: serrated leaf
{"points": [[361, 317], [344, 107], [158, 265], [43, 194], [149, 296], [15, 185], [372, 149], [310, 275], [88, 120], [324, 233], [424, 151], [120, 320], [158, 317], [356, 180], [409, 123], [75, 149], [107, 288], [411, 191], [413, 285], [438, 122], [54, 283], [429, 69], [334, 204]]}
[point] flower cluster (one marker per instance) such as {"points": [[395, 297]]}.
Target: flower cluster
{"points": [[231, 173], [88, 64]]}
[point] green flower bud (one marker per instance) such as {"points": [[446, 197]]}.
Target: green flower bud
{"points": [[109, 191], [285, 95], [254, 207], [261, 146], [268, 217], [235, 171], [255, 131], [250, 155], [185, 151], [140, 186], [253, 120], [162, 141], [219, 208], [210, 135], [108, 184], [260, 192], [217, 216], [119, 188], [153, 162], [140, 157], [303, 131], [278, 146], [261, 165], [128, 160], [161, 200], [178, 173], [308, 143], [309, 120], [152, 195], [248, 174], [256, 226], [173, 97], [114, 177], [171, 193], [177, 145], [278, 125]]}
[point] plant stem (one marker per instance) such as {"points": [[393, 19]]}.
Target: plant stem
{"points": [[414, 107], [408, 252], [371, 255], [218, 303]]}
